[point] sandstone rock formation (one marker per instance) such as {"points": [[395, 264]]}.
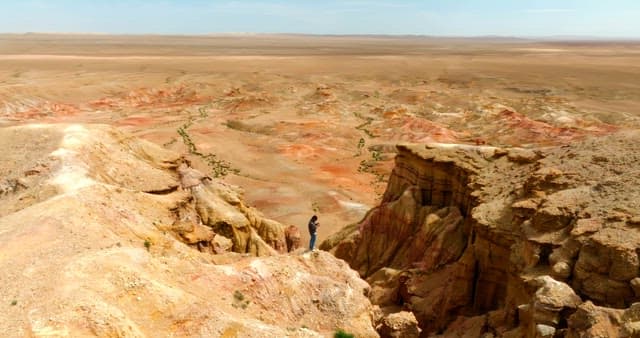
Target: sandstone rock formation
{"points": [[401, 324], [105, 235], [292, 235], [479, 240]]}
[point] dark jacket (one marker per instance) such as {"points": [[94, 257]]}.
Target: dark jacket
{"points": [[313, 226]]}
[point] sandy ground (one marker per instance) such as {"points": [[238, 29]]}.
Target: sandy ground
{"points": [[306, 123]]}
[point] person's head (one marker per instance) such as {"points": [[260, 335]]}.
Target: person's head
{"points": [[314, 218]]}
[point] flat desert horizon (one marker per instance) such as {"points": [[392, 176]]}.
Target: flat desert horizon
{"points": [[308, 124]]}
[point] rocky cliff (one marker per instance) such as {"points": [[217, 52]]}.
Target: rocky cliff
{"points": [[507, 242], [102, 234]]}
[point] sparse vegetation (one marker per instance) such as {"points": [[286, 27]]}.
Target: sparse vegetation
{"points": [[362, 127], [204, 111], [369, 133], [239, 300], [147, 244], [361, 144], [366, 166], [172, 141], [376, 155], [219, 168], [186, 138], [237, 295], [342, 334], [14, 302], [367, 122]]}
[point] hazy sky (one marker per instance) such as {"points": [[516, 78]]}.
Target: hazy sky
{"points": [[610, 18]]}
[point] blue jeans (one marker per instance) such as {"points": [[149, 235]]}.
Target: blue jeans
{"points": [[312, 242]]}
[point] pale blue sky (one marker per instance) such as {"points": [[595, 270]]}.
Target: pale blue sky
{"points": [[612, 18]]}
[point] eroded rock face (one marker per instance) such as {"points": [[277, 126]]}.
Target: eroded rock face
{"points": [[513, 242], [427, 206], [221, 209], [127, 242], [292, 235]]}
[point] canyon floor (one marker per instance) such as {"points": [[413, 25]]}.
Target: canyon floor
{"points": [[305, 123]]}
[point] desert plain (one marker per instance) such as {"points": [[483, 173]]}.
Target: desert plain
{"points": [[520, 164], [308, 124]]}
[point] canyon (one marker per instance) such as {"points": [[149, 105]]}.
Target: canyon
{"points": [[480, 240], [465, 187]]}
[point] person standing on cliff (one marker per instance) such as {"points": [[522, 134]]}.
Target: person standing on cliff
{"points": [[313, 228]]}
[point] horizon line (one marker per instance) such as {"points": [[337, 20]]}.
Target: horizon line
{"points": [[558, 37]]}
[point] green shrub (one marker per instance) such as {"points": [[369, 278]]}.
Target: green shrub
{"points": [[237, 295], [342, 334], [219, 168], [239, 300]]}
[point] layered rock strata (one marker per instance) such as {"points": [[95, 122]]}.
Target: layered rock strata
{"points": [[510, 242]]}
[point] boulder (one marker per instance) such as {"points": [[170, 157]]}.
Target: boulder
{"points": [[590, 320], [399, 325], [554, 296]]}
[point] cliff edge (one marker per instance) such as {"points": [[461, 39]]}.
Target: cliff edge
{"points": [[103, 234], [484, 241]]}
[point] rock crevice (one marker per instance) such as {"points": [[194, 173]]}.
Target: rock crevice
{"points": [[509, 241]]}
